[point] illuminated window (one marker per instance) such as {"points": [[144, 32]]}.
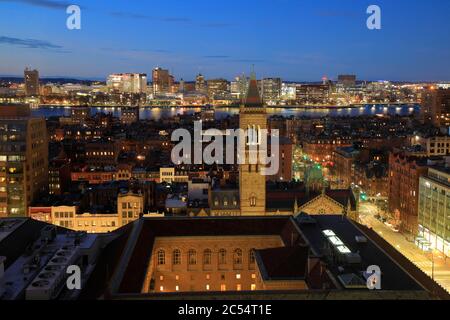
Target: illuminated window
{"points": [[161, 278], [177, 288], [223, 287], [238, 287], [253, 287], [161, 257], [207, 256], [177, 277], [222, 256], [161, 288], [208, 276], [207, 287], [238, 276], [253, 276], [176, 256], [192, 257]]}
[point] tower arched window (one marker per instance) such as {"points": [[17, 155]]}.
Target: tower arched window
{"points": [[253, 201]]}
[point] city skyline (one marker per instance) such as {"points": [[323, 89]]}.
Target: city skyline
{"points": [[233, 152], [295, 41]]}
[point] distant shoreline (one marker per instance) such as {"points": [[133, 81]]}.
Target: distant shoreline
{"points": [[352, 106]]}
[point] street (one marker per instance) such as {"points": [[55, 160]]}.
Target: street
{"points": [[423, 260]]}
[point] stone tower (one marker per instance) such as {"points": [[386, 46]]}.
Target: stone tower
{"points": [[252, 183]]}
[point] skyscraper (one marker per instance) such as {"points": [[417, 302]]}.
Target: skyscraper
{"points": [[200, 83], [217, 87], [271, 89], [23, 159], [347, 80], [436, 106], [161, 80], [31, 82], [127, 82], [239, 86], [252, 183]]}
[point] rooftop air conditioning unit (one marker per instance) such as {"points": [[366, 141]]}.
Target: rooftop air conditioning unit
{"points": [[353, 258], [360, 239], [48, 233]]}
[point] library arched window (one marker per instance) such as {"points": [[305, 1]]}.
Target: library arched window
{"points": [[251, 256], [176, 256], [222, 256], [237, 256], [207, 256], [192, 257], [161, 257]]}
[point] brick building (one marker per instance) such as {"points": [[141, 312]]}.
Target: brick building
{"points": [[404, 174]]}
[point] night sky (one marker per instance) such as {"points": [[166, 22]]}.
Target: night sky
{"points": [[298, 40]]}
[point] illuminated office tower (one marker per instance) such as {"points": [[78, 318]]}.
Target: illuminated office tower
{"points": [[347, 80], [434, 208], [31, 82], [271, 89], [127, 82], [162, 80], [200, 83], [217, 87], [23, 159], [436, 106]]}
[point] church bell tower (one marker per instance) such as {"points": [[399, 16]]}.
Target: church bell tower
{"points": [[252, 181]]}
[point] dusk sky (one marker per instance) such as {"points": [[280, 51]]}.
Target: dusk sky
{"points": [[298, 40]]}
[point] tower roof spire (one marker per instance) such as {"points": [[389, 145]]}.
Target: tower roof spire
{"points": [[253, 99]]}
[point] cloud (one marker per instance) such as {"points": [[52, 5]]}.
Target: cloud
{"points": [[216, 57], [186, 20], [216, 25], [336, 14], [121, 50], [248, 60], [30, 43], [49, 4], [131, 15]]}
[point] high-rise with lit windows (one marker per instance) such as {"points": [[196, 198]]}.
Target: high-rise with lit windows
{"points": [[31, 82], [23, 159], [162, 80]]}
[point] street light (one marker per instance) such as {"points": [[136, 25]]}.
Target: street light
{"points": [[432, 263]]}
